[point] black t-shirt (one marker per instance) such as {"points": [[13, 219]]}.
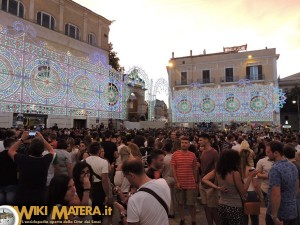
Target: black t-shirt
{"points": [[151, 173], [143, 150], [8, 170], [33, 171], [109, 148]]}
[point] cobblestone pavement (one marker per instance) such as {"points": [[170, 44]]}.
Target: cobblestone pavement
{"points": [[201, 220]]}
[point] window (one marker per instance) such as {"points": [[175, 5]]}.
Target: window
{"points": [[45, 20], [183, 78], [205, 76], [44, 69], [72, 31], [92, 39], [13, 7], [254, 72], [229, 75]]}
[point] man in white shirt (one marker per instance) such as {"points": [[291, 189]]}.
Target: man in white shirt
{"points": [[99, 188], [143, 207], [237, 147], [51, 167]]}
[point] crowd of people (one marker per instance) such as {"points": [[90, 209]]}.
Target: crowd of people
{"points": [[151, 175]]}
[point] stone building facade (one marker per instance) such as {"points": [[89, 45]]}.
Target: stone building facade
{"points": [[69, 33], [210, 74]]}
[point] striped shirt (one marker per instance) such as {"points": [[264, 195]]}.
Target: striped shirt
{"points": [[185, 163]]}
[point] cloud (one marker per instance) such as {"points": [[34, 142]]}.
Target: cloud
{"points": [[147, 31]]}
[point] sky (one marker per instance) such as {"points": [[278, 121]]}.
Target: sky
{"points": [[146, 32]]}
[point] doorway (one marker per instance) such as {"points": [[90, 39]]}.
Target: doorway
{"points": [[30, 121], [79, 123]]}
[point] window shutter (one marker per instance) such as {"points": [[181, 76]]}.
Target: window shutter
{"points": [[77, 33], [248, 72], [260, 72], [21, 10], [67, 29], [38, 18], [52, 23], [4, 5]]}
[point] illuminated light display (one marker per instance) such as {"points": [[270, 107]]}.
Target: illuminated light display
{"points": [[279, 98], [39, 80], [195, 85], [244, 102]]}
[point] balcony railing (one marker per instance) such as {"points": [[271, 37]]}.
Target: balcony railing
{"points": [[211, 80], [259, 77], [179, 82], [229, 79]]}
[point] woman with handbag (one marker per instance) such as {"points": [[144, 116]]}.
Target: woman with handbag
{"points": [[254, 194], [231, 187]]}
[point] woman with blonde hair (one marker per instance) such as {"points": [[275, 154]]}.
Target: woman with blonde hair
{"points": [[254, 193], [119, 178], [135, 151], [245, 146]]}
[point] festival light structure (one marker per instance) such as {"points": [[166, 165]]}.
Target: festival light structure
{"points": [[36, 79], [243, 102]]}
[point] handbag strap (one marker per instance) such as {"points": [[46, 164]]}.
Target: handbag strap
{"points": [[159, 199], [237, 187], [93, 172]]}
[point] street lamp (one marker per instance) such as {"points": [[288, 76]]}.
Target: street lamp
{"points": [[298, 110]]}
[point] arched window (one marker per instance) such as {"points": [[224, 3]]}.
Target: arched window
{"points": [[45, 20], [91, 39], [72, 31], [13, 7]]}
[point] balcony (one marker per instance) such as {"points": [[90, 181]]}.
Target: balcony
{"points": [[229, 79], [181, 83], [257, 78], [209, 81]]}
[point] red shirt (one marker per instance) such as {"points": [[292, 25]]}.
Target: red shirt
{"points": [[185, 163], [208, 161]]}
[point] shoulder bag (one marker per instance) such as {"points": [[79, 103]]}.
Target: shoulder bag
{"points": [[250, 208]]}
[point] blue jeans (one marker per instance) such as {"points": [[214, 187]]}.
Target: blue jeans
{"points": [[252, 197], [269, 221], [7, 194]]}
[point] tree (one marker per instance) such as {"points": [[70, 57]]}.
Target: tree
{"points": [[113, 58], [291, 95]]}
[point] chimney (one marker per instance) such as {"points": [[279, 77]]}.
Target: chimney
{"points": [[172, 55], [191, 53]]}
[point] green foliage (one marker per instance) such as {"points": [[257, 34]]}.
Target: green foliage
{"points": [[113, 58], [292, 95]]}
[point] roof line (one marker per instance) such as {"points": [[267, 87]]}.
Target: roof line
{"points": [[86, 9]]}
